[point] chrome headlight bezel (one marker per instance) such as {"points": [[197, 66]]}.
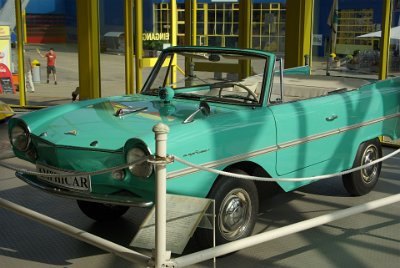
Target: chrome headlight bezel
{"points": [[142, 170], [20, 137]]}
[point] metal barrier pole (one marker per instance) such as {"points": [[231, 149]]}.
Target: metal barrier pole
{"points": [[161, 133]]}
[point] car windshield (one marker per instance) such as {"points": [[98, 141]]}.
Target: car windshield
{"points": [[231, 77]]}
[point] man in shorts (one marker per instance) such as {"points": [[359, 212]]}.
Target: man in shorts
{"points": [[51, 64]]}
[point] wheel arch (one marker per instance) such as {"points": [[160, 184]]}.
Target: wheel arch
{"points": [[254, 169], [357, 145]]}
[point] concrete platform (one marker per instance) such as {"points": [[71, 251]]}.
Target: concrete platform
{"points": [[371, 239]]}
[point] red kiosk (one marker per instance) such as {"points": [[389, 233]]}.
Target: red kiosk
{"points": [[6, 83]]}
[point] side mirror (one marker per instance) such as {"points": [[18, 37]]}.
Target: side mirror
{"points": [[204, 108]]}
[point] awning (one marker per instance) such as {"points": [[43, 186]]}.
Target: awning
{"points": [[394, 34]]}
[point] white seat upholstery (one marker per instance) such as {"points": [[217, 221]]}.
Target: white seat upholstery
{"points": [[305, 87], [252, 82]]}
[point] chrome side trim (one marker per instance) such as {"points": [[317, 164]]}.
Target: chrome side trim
{"points": [[371, 122], [213, 164], [241, 157], [334, 132], [307, 139]]}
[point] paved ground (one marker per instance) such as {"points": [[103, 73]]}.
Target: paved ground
{"points": [[371, 239], [112, 76]]}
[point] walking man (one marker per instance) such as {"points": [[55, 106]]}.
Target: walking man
{"points": [[51, 63], [28, 73]]}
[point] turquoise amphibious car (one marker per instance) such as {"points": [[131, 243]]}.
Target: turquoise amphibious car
{"points": [[230, 109]]}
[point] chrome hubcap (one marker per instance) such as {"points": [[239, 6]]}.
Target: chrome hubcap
{"points": [[370, 154], [235, 214]]}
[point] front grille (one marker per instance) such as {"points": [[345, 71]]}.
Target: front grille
{"points": [[75, 158]]}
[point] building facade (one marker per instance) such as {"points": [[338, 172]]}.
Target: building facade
{"points": [[217, 22]]}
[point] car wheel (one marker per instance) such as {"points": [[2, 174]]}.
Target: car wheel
{"points": [[236, 207], [363, 181], [101, 212]]}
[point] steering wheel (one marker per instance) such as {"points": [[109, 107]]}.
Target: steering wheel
{"points": [[250, 92]]}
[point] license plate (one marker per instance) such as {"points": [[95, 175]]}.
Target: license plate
{"points": [[81, 183]]}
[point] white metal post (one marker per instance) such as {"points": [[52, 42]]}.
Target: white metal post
{"points": [[161, 133]]}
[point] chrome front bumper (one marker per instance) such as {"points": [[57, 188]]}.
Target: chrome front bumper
{"points": [[91, 197]]}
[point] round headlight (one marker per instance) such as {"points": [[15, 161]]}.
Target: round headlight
{"points": [[141, 170], [20, 137]]}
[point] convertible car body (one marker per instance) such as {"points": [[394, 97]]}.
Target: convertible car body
{"points": [[229, 109]]}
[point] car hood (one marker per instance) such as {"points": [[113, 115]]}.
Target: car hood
{"points": [[95, 123]]}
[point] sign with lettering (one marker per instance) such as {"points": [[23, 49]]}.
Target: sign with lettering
{"points": [[155, 36], [317, 39], [5, 31], [82, 183], [5, 46]]}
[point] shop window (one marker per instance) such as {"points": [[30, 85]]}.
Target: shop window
{"points": [[218, 24], [352, 23], [269, 26]]}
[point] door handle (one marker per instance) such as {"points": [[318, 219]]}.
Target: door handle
{"points": [[331, 118]]}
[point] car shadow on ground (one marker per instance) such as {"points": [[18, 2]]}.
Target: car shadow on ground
{"points": [[28, 240]]}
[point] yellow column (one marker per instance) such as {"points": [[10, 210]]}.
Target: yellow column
{"points": [[190, 22], [129, 63], [299, 15], [190, 28], [20, 51], [205, 24], [87, 13], [245, 19], [245, 33], [138, 43], [385, 39], [173, 36]]}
